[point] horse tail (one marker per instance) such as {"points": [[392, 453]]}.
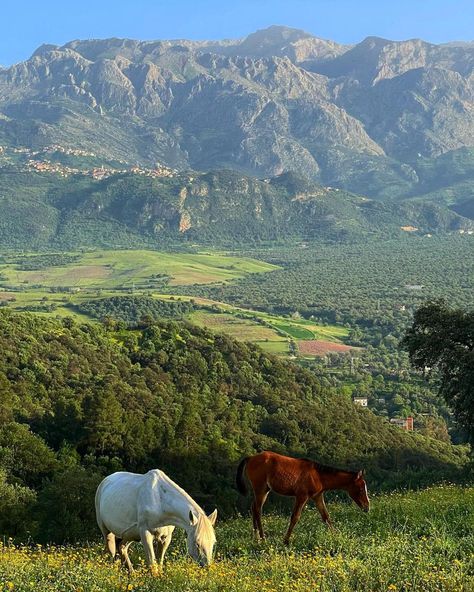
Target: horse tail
{"points": [[239, 478]]}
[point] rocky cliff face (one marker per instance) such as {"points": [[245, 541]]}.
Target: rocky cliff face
{"points": [[278, 100]]}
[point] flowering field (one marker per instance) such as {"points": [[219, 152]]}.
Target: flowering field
{"points": [[421, 541]]}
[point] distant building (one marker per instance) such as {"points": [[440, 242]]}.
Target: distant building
{"points": [[362, 401], [403, 423]]}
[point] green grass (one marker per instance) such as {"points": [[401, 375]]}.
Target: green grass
{"points": [[121, 269], [272, 336], [242, 329], [104, 273], [275, 347], [294, 330], [418, 541], [299, 328]]}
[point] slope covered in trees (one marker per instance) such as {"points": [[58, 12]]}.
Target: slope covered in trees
{"points": [[78, 402], [225, 208], [133, 309]]}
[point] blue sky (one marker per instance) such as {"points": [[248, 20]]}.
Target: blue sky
{"points": [[26, 24]]}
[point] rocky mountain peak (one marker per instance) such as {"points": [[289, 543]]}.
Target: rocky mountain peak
{"points": [[273, 35], [278, 100]]}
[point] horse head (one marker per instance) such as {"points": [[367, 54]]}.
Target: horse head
{"points": [[201, 537], [358, 491]]}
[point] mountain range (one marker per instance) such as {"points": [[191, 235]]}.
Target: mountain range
{"points": [[369, 117], [274, 135]]}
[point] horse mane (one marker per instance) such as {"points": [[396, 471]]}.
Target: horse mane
{"points": [[179, 489], [330, 470], [204, 532]]}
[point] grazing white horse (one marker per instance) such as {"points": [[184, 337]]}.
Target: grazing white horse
{"points": [[146, 508]]}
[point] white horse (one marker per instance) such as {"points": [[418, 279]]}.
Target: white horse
{"points": [[146, 508]]}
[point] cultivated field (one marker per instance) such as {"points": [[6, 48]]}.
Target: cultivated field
{"points": [[420, 542], [321, 348], [108, 273], [272, 332], [128, 268], [52, 289]]}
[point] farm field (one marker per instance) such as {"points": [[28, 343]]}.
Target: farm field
{"points": [[272, 333], [55, 289], [321, 348], [414, 541], [243, 329], [127, 268]]}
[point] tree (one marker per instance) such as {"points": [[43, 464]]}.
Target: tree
{"points": [[441, 341], [65, 508], [16, 502], [24, 455]]}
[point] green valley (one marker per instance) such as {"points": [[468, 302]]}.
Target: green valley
{"points": [[64, 284]]}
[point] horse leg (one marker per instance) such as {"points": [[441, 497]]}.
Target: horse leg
{"points": [[254, 520], [147, 538], [260, 499], [319, 501], [110, 544], [162, 545], [300, 503], [109, 540], [123, 550]]}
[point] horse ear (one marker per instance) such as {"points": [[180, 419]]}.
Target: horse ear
{"points": [[213, 517], [360, 474], [192, 518]]}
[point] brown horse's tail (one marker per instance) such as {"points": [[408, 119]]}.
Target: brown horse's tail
{"points": [[239, 478]]}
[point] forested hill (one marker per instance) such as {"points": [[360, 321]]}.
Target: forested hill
{"points": [[78, 402], [219, 208]]}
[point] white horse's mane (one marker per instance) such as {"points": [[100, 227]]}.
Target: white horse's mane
{"points": [[204, 532]]}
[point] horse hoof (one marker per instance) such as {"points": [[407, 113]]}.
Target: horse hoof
{"points": [[156, 571]]}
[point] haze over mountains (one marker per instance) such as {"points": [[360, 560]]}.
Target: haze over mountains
{"points": [[381, 118]]}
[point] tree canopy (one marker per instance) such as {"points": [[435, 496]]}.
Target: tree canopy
{"points": [[441, 341]]}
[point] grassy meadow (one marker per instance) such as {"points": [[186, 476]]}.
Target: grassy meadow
{"points": [[52, 289], [412, 541], [105, 273], [107, 270]]}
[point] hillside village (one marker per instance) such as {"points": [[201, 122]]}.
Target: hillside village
{"points": [[47, 160]]}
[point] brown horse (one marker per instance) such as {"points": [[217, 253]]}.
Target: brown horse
{"points": [[297, 477]]}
